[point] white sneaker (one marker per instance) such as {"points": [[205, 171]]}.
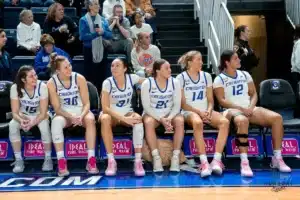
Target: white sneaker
{"points": [[205, 170], [47, 165], [18, 166], [175, 164], [217, 167], [157, 164], [278, 163], [246, 169], [111, 169]]}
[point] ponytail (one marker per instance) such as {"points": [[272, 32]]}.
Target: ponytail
{"points": [[186, 58], [55, 61]]}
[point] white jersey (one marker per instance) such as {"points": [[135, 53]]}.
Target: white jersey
{"points": [[235, 88], [30, 105], [195, 91], [70, 99], [120, 99]]}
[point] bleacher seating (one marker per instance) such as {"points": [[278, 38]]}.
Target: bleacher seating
{"points": [[11, 17], [11, 43]]}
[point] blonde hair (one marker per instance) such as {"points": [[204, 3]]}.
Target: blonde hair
{"points": [[186, 58], [46, 39], [23, 13]]}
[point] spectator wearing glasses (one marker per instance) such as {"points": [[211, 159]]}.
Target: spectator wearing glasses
{"points": [[108, 6]]}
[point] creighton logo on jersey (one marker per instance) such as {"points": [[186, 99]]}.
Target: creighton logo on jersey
{"points": [[30, 105]]}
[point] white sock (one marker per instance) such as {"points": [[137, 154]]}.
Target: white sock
{"points": [[155, 153], [47, 155], [110, 156], [138, 156], [277, 154], [91, 153], [217, 156], [203, 158], [244, 157], [18, 156], [176, 153], [60, 155]]}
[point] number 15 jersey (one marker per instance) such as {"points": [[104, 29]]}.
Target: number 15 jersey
{"points": [[235, 88]]}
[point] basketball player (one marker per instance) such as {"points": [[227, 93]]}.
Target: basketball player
{"points": [[70, 99], [29, 105], [236, 93], [197, 105], [117, 92], [161, 98]]}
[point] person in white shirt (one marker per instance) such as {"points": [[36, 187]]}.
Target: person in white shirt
{"points": [[29, 104], [139, 26], [28, 34], [236, 93], [161, 99], [108, 6], [116, 97], [144, 55], [197, 107]]}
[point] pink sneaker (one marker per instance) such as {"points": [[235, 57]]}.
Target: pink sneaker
{"points": [[62, 167], [217, 167], [246, 169], [205, 170], [91, 166], [111, 169], [138, 168], [278, 163]]}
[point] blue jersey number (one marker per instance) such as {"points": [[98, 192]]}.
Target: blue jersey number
{"points": [[161, 104], [122, 103], [71, 101], [198, 96], [237, 90], [30, 109]]}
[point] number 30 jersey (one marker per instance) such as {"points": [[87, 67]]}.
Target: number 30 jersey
{"points": [[235, 88], [70, 99], [30, 105]]}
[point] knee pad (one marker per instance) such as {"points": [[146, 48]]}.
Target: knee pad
{"points": [[14, 131], [239, 143], [138, 135], [57, 126], [45, 131]]}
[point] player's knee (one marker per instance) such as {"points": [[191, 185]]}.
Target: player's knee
{"points": [[149, 122], [277, 119], [179, 121], [224, 123], [89, 118], [197, 123], [14, 131], [105, 119], [242, 122]]}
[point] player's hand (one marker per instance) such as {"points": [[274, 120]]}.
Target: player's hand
{"points": [[167, 124], [247, 111], [131, 121]]}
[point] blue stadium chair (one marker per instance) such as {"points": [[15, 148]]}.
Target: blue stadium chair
{"points": [[18, 61], [39, 14], [11, 43], [11, 17]]}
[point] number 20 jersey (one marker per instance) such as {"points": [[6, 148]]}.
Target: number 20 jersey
{"points": [[70, 99]]}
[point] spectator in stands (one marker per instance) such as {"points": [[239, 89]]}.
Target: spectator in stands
{"points": [[139, 26], [78, 4], [63, 29], [42, 58], [245, 53], [5, 59], [92, 30], [144, 55], [197, 104], [161, 100], [29, 104], [19, 3], [69, 97], [108, 6], [235, 92], [295, 60], [117, 110], [120, 27], [28, 34]]}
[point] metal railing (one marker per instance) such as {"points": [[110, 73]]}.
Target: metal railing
{"points": [[292, 8], [213, 48]]}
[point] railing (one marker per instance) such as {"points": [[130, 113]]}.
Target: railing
{"points": [[292, 8], [213, 48]]}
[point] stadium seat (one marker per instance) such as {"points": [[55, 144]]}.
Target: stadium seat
{"points": [[19, 61], [11, 17], [11, 43], [278, 95], [5, 109]]}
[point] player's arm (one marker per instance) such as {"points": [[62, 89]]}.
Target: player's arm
{"points": [[209, 93], [15, 104], [44, 102], [176, 99], [84, 94], [253, 95], [54, 100]]}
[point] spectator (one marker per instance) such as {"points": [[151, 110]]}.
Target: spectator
{"points": [[144, 55], [120, 27], [42, 58], [245, 53], [5, 60], [19, 3], [28, 34], [63, 29], [139, 26], [108, 6], [92, 30]]}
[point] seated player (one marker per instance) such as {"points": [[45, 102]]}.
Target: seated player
{"points": [[197, 105], [161, 98], [236, 93], [70, 100], [29, 105], [117, 92]]}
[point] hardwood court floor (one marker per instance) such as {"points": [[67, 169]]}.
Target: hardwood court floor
{"points": [[234, 193]]}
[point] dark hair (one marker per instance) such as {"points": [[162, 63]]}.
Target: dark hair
{"points": [[117, 6], [186, 58], [225, 57], [134, 15], [55, 61], [297, 32], [22, 73], [238, 30], [125, 64], [157, 65]]}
